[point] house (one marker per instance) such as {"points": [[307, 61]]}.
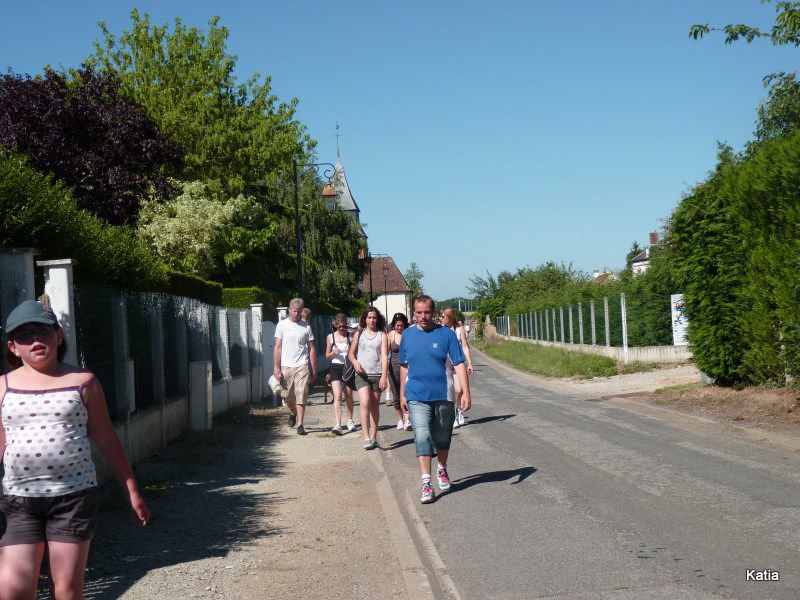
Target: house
{"points": [[386, 279], [641, 261]]}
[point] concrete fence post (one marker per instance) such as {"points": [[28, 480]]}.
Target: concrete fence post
{"points": [[225, 354], [593, 322], [257, 364], [580, 322], [571, 327], [157, 358], [624, 307], [201, 410], [17, 277], [546, 326], [608, 325], [124, 373], [535, 325], [59, 286]]}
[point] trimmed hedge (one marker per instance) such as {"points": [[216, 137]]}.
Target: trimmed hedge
{"points": [[244, 297], [38, 211], [192, 286]]}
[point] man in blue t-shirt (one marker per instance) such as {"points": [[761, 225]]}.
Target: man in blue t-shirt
{"points": [[424, 392]]}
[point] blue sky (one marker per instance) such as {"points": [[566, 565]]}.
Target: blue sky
{"points": [[474, 136]]}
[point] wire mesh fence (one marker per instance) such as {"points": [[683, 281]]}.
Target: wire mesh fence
{"points": [[158, 335], [596, 322]]}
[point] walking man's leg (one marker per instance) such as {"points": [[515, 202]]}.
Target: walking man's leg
{"points": [[444, 413], [422, 420]]}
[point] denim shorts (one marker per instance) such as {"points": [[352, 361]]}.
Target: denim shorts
{"points": [[433, 425]]}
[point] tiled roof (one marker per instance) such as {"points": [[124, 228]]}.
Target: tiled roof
{"points": [[395, 282]]}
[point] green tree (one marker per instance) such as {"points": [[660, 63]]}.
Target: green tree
{"points": [[414, 277], [785, 30], [635, 250], [190, 233], [233, 133]]}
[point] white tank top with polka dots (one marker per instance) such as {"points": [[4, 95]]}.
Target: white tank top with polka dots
{"points": [[47, 442]]}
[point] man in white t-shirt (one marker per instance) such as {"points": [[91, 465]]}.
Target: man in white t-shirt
{"points": [[294, 349]]}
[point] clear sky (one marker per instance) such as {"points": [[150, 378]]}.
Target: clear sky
{"points": [[480, 135]]}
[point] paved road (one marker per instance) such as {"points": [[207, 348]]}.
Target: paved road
{"points": [[556, 497]]}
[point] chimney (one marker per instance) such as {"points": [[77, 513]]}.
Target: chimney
{"points": [[653, 238]]}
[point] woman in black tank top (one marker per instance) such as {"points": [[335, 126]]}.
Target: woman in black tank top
{"points": [[396, 327]]}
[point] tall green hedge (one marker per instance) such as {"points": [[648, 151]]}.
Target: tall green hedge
{"points": [[192, 286], [244, 297], [39, 212]]}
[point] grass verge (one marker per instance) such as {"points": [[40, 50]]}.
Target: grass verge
{"points": [[556, 362]]}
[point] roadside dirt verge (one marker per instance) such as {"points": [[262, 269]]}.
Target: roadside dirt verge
{"points": [[252, 510], [771, 409]]}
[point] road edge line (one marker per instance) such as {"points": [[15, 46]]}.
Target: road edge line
{"points": [[412, 567], [402, 534]]}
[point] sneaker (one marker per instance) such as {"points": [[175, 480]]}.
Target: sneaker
{"points": [[292, 421], [443, 479], [351, 427], [461, 417], [408, 425], [427, 493], [301, 430], [456, 424], [400, 425], [337, 430], [375, 444], [368, 444]]}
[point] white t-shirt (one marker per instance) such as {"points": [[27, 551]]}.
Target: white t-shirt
{"points": [[295, 336]]}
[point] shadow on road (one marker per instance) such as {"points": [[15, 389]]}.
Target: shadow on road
{"points": [[197, 491], [493, 477], [489, 419]]}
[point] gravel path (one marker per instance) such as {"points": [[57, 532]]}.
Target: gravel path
{"points": [[251, 510]]}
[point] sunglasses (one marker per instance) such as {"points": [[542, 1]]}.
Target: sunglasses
{"points": [[27, 335]]}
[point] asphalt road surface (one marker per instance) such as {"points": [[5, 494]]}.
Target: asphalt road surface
{"points": [[556, 497]]}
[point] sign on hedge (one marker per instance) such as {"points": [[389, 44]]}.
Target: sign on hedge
{"points": [[679, 320]]}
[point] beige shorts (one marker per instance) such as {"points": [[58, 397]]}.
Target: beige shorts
{"points": [[295, 381]]}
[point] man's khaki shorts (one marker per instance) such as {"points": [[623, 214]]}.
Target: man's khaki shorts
{"points": [[296, 384]]}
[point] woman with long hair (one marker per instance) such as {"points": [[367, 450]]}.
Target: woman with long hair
{"points": [[369, 353], [449, 319]]}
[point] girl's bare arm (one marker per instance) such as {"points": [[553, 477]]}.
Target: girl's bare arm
{"points": [[465, 348], [351, 354], [103, 434]]}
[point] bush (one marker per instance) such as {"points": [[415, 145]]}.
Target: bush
{"points": [[192, 286], [244, 297], [39, 212]]}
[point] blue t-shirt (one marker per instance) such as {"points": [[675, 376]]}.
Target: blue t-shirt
{"points": [[425, 354]]}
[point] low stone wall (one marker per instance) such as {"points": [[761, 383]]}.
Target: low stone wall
{"points": [[656, 354]]}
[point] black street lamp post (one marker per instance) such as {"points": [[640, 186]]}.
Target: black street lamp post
{"points": [[328, 173]]}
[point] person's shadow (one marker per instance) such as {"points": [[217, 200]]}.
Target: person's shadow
{"points": [[493, 477], [488, 419]]}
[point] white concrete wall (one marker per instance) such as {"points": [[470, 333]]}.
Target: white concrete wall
{"points": [[657, 354], [392, 303]]}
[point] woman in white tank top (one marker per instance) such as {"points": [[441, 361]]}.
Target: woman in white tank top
{"points": [[369, 353], [337, 347]]}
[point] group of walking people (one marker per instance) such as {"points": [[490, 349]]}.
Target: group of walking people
{"points": [[426, 366]]}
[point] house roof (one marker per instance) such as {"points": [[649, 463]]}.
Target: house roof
{"points": [[346, 200], [395, 282], [643, 256]]}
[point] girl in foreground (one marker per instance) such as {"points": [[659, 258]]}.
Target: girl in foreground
{"points": [[48, 410]]}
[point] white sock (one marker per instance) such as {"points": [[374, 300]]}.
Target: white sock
{"points": [[426, 477], [441, 466]]}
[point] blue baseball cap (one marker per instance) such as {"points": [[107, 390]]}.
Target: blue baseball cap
{"points": [[30, 311]]}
